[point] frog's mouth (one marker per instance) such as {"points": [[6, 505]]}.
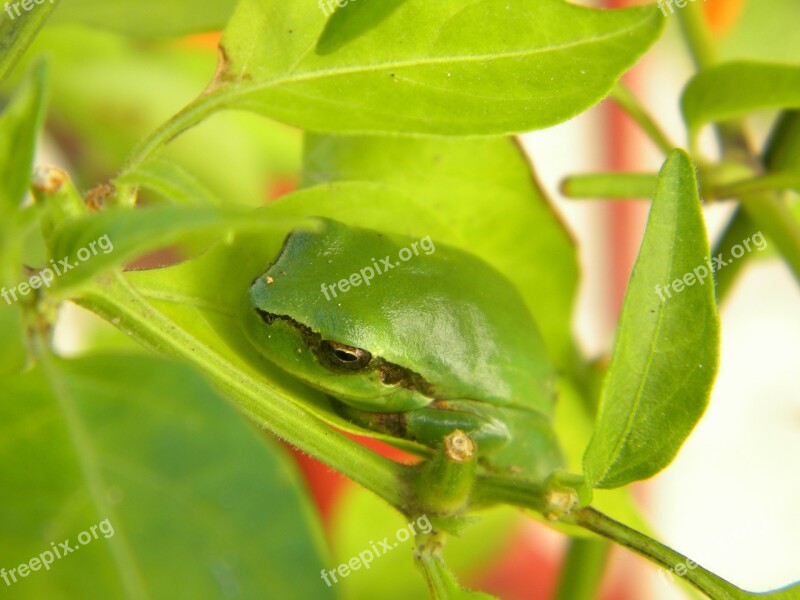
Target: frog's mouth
{"points": [[386, 379]]}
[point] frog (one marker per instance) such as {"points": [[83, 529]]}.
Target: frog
{"points": [[410, 338]]}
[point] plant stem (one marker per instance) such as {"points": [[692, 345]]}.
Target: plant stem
{"points": [[701, 44], [623, 96], [610, 185], [492, 489], [583, 569], [710, 584], [739, 227], [189, 116]]}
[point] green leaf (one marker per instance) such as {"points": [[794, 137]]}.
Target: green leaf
{"points": [[148, 18], [99, 241], [479, 195], [17, 31], [735, 89], [191, 501], [666, 353], [610, 185], [488, 67], [19, 130]]}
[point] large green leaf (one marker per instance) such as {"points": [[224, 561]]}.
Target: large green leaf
{"points": [[666, 352], [734, 89], [487, 67], [478, 194], [192, 501], [148, 18]]}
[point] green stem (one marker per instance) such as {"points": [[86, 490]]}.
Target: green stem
{"points": [[698, 36], [773, 216], [759, 184], [631, 105], [189, 116], [583, 569], [739, 228], [610, 185], [491, 489], [118, 302], [707, 582]]}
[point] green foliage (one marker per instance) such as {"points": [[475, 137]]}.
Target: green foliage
{"points": [[199, 504], [735, 89], [413, 92], [375, 69], [17, 32], [19, 124], [666, 352]]}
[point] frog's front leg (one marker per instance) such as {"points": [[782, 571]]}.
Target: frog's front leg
{"points": [[430, 424]]}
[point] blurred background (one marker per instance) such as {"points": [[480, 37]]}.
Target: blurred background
{"points": [[718, 502]]}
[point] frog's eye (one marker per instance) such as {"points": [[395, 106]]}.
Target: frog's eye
{"points": [[340, 356]]}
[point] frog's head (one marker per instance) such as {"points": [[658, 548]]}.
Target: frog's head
{"points": [[289, 323]]}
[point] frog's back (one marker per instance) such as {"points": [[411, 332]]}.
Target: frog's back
{"points": [[433, 309]]}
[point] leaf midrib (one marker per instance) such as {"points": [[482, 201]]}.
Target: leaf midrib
{"points": [[463, 58], [623, 440]]}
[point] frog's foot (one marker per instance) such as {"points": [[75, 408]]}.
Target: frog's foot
{"points": [[429, 425]]}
